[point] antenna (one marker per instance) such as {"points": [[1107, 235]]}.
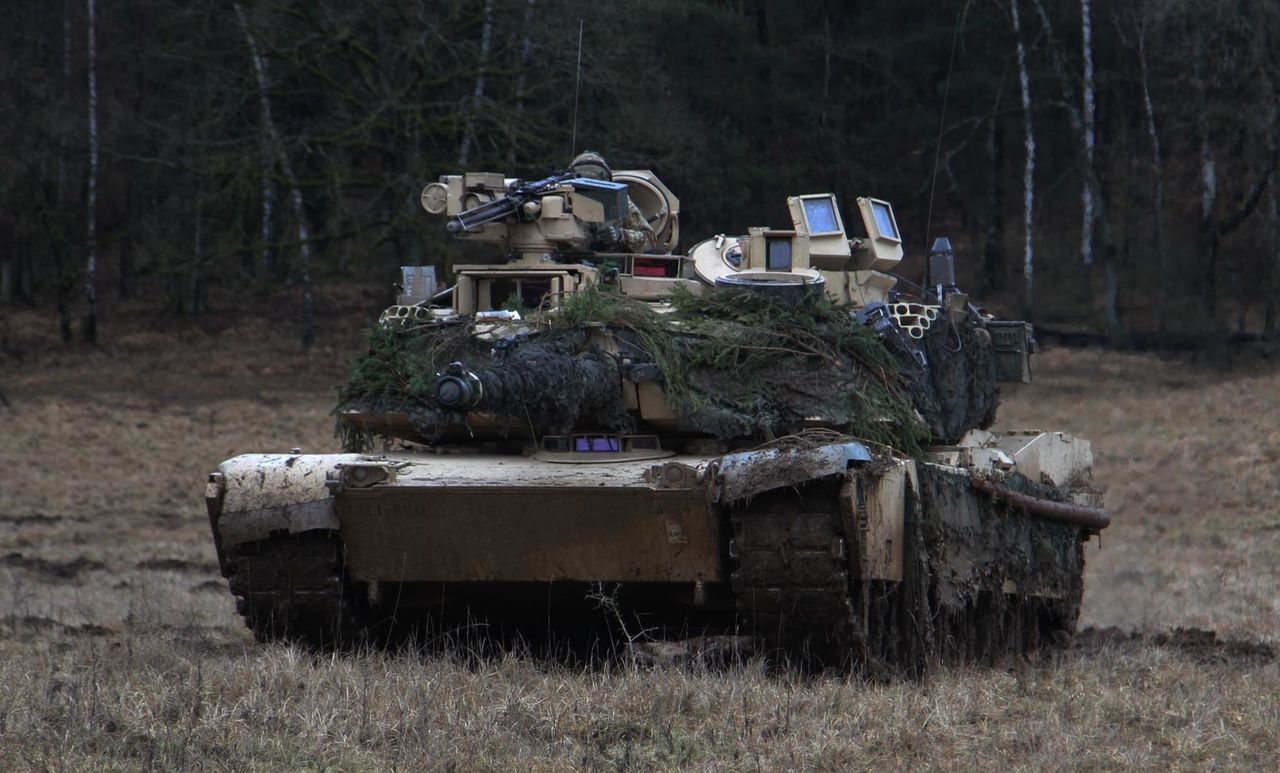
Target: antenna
{"points": [[937, 154], [577, 85]]}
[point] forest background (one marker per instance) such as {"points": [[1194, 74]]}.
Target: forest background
{"points": [[1101, 166]]}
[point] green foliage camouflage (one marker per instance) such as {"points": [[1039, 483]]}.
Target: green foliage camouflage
{"points": [[734, 364]]}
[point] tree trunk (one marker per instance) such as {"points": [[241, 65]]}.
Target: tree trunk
{"points": [[1157, 205], [1273, 234], [61, 283], [993, 244], [1083, 128], [90, 330], [267, 148], [295, 192], [1089, 195], [1208, 229], [192, 291], [66, 95], [268, 263], [477, 94], [1273, 290], [1028, 174], [526, 54], [129, 243]]}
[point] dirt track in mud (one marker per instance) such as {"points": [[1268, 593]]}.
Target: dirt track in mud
{"points": [[1194, 643], [109, 586]]}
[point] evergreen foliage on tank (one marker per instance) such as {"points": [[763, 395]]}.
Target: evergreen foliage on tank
{"points": [[734, 364]]}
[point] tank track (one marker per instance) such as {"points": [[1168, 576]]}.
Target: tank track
{"points": [[294, 588], [796, 594], [791, 581]]}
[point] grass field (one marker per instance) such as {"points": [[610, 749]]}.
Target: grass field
{"points": [[120, 647]]}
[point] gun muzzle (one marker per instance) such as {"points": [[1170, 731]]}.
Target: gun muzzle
{"points": [[458, 389]]}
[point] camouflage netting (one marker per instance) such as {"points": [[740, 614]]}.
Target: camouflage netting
{"points": [[734, 364], [956, 390]]}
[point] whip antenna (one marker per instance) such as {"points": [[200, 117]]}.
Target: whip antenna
{"points": [[577, 86], [937, 153]]}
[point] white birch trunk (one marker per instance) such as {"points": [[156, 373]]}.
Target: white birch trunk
{"points": [[1028, 174], [477, 95], [295, 192], [91, 265], [1089, 195]]}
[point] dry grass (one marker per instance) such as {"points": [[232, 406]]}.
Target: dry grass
{"points": [[1189, 456], [120, 648], [143, 702]]}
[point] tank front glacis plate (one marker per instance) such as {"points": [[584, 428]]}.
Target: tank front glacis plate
{"points": [[503, 518]]}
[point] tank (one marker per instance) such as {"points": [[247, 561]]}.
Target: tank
{"points": [[767, 443]]}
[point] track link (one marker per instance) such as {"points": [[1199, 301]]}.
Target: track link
{"points": [[791, 580], [294, 588]]}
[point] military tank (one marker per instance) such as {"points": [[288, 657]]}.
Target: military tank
{"points": [[770, 439]]}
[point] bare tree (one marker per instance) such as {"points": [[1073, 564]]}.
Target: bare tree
{"points": [[1089, 194], [295, 192], [1028, 174], [477, 95], [1273, 238], [90, 331], [62, 287], [526, 53], [1157, 164], [268, 260]]}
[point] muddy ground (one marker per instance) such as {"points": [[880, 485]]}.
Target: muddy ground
{"points": [[120, 647]]}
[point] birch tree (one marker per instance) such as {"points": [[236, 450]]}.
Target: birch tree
{"points": [[90, 331], [295, 192], [268, 260], [1028, 173], [1088, 194], [1157, 166]]}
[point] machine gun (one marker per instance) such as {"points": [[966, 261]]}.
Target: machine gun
{"points": [[518, 193]]}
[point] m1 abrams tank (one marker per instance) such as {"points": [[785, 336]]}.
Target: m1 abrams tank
{"points": [[769, 440]]}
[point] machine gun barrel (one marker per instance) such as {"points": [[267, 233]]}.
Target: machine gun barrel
{"points": [[517, 194]]}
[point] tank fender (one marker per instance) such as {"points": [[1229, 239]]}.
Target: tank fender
{"points": [[745, 474], [263, 494]]}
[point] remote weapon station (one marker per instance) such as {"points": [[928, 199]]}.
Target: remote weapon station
{"points": [[770, 439]]}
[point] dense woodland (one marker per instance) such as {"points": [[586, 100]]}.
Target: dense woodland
{"points": [[1099, 164]]}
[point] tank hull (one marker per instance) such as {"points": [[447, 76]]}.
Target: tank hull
{"points": [[826, 548]]}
